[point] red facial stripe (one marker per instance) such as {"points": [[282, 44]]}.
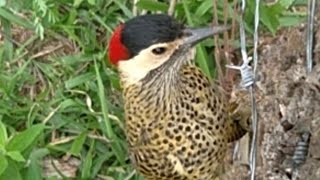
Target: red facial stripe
{"points": [[117, 51]]}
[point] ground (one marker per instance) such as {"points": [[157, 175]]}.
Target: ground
{"points": [[288, 108]]}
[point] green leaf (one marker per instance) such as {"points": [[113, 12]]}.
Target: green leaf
{"points": [[291, 20], [300, 3], [6, 14], [92, 2], [11, 172], [3, 164], [8, 45], [286, 3], [76, 3], [16, 155], [34, 169], [76, 59], [106, 122], [201, 54], [77, 145], [98, 163], [152, 5], [87, 164], [67, 103], [24, 139], [187, 13], [269, 15], [3, 134], [2, 149], [204, 8], [202, 60], [2, 3], [79, 80], [124, 8]]}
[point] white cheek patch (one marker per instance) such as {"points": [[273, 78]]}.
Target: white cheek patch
{"points": [[135, 69]]}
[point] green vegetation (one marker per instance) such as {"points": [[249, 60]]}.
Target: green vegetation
{"points": [[59, 96]]}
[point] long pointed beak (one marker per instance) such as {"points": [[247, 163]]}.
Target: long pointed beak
{"points": [[194, 36]]}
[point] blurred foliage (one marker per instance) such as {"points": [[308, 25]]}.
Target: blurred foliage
{"points": [[58, 94]]}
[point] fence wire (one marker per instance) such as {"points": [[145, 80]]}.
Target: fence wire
{"points": [[253, 150], [309, 46], [248, 76]]}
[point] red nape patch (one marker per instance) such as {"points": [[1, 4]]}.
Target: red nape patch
{"points": [[117, 51]]}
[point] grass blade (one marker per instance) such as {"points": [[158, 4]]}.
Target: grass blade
{"points": [[116, 146]]}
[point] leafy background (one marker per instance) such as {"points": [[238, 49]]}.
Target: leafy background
{"points": [[61, 109]]}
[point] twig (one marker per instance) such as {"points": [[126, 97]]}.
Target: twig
{"points": [[62, 140], [8, 38], [130, 175], [233, 26], [51, 114], [172, 7], [46, 52], [216, 42], [134, 8], [226, 33]]}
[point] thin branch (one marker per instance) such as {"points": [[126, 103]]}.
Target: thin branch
{"points": [[134, 8], [216, 42], [226, 33], [172, 7], [233, 28]]}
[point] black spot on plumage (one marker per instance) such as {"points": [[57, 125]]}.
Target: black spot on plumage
{"points": [[144, 31]]}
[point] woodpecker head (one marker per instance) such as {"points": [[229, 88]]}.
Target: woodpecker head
{"points": [[151, 45]]}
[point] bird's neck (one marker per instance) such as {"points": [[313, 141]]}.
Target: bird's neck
{"points": [[164, 88], [157, 89], [162, 84]]}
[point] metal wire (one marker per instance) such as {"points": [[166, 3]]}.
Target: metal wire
{"points": [[253, 152], [247, 78], [301, 151], [311, 11], [256, 38], [300, 154]]}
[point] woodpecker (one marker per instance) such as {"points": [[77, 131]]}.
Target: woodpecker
{"points": [[177, 123]]}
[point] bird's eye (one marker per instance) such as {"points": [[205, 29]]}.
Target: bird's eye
{"points": [[159, 50]]}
